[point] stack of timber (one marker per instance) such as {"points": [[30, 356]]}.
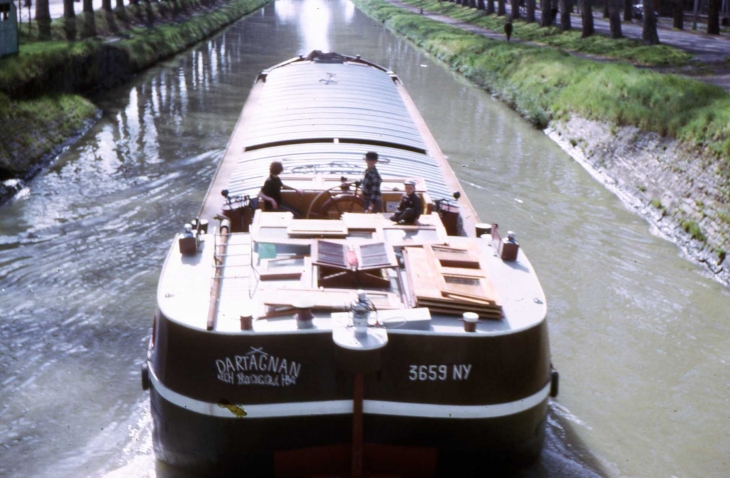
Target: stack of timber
{"points": [[450, 280]]}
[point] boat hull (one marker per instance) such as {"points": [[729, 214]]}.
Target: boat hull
{"points": [[233, 399], [191, 440]]}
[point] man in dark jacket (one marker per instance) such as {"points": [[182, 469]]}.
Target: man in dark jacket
{"points": [[371, 197], [410, 207]]}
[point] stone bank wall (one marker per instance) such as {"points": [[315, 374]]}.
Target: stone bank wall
{"points": [[681, 191]]}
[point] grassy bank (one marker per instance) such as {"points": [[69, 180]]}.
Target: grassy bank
{"points": [[546, 83], [603, 47], [32, 129], [40, 88], [80, 66]]}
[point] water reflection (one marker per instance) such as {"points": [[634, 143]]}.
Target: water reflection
{"points": [[312, 20]]}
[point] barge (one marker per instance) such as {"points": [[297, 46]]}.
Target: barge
{"points": [[321, 339]]}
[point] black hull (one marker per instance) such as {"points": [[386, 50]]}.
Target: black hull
{"points": [[508, 370], [210, 444]]}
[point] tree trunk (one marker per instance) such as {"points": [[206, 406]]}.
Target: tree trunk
{"points": [[614, 15], [546, 8], [628, 12], [68, 9], [69, 20], [119, 4], [480, 5], [89, 29], [530, 11], [565, 15], [648, 33], [515, 9], [500, 8], [713, 17], [678, 15], [43, 18], [490, 7], [587, 17], [106, 5], [606, 9]]}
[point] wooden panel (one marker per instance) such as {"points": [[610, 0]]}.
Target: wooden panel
{"points": [[455, 257], [349, 256], [317, 227], [278, 269], [376, 256], [449, 290], [330, 253]]}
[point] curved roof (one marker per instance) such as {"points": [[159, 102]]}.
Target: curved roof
{"points": [[323, 117]]}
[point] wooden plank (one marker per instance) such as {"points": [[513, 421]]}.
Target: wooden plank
{"points": [[317, 227], [423, 278], [471, 300], [332, 299]]}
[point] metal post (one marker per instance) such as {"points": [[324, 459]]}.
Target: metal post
{"points": [[357, 425]]}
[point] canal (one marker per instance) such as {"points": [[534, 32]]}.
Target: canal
{"points": [[641, 338]]}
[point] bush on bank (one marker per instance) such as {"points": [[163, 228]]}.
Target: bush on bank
{"points": [[38, 108], [545, 83]]}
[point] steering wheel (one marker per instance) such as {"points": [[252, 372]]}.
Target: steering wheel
{"points": [[339, 201]]}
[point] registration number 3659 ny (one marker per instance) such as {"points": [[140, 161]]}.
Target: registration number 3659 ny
{"points": [[422, 373]]}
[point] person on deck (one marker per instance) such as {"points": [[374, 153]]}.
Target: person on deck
{"points": [[410, 207], [270, 193], [372, 200]]}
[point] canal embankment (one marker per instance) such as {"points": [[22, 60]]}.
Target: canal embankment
{"points": [[45, 89], [660, 141]]}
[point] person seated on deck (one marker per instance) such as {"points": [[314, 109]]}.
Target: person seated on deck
{"points": [[410, 207], [270, 193]]}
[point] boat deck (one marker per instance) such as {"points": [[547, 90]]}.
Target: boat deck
{"points": [[247, 284]]}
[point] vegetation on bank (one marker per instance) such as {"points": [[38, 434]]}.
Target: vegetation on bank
{"points": [[40, 107], [137, 46], [32, 129], [546, 83]]}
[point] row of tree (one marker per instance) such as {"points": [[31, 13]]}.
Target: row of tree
{"points": [[43, 15], [559, 10]]}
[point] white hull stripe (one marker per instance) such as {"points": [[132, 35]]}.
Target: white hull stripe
{"points": [[343, 407]]}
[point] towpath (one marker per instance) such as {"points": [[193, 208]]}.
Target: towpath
{"points": [[712, 51]]}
